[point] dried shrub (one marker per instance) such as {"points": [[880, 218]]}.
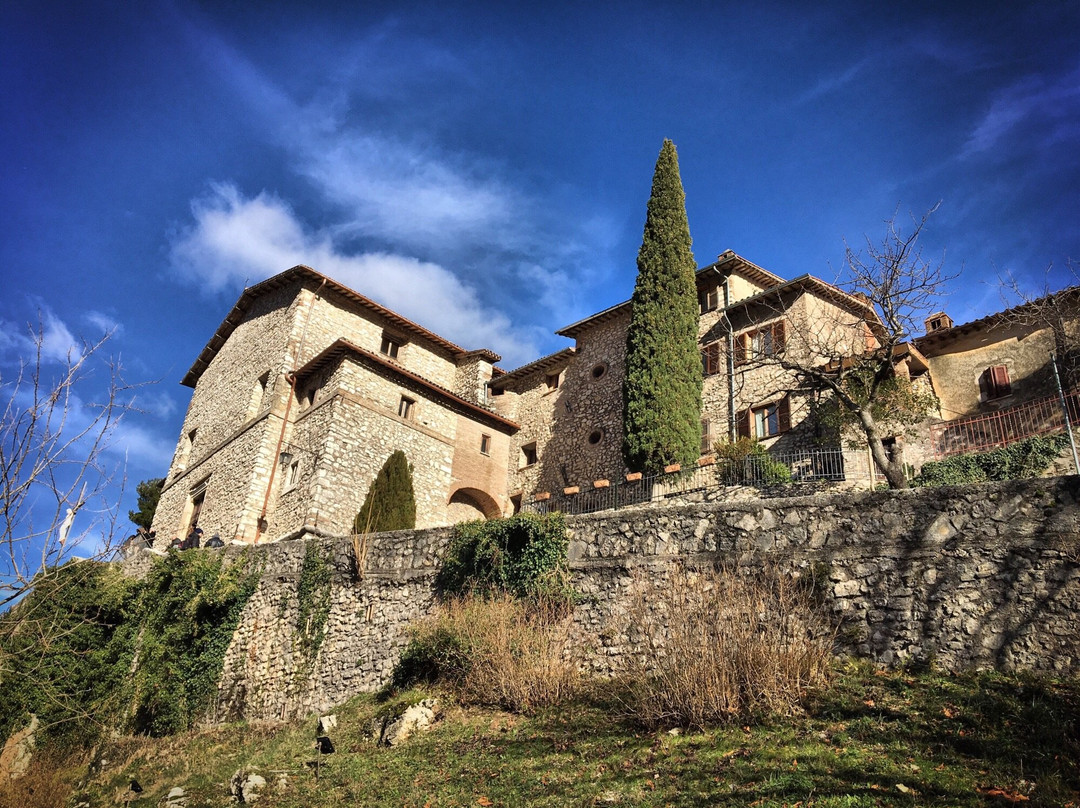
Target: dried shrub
{"points": [[42, 786], [717, 645], [495, 651]]}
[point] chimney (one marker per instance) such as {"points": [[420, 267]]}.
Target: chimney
{"points": [[939, 321]]}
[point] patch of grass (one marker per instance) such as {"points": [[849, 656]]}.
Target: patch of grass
{"points": [[971, 740]]}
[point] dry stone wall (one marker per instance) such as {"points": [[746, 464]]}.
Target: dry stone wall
{"points": [[980, 576]]}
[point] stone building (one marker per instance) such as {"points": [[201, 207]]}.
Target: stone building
{"points": [[301, 395], [307, 387]]}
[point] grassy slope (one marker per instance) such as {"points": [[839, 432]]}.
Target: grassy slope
{"points": [[972, 740]]}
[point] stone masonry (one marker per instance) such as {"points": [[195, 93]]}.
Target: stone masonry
{"points": [[983, 576]]}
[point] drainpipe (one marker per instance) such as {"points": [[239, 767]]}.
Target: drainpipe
{"points": [[730, 361], [290, 377]]}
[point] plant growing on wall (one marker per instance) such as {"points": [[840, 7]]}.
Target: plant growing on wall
{"points": [[313, 601], [523, 555], [662, 388], [390, 503]]}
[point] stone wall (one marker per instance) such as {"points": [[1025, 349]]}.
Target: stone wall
{"points": [[980, 576]]}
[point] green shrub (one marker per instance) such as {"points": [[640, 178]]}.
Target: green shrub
{"points": [[746, 462], [313, 600], [523, 555], [1026, 458]]}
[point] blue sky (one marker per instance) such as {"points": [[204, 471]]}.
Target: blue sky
{"points": [[484, 169]]}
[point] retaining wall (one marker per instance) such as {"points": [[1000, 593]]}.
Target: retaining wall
{"points": [[978, 576]]}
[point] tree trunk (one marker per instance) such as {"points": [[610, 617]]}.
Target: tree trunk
{"points": [[892, 468]]}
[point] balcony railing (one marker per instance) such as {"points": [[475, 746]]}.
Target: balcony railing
{"points": [[981, 433]]}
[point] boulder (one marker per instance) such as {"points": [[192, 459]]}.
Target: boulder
{"points": [[19, 748], [391, 730], [245, 786], [177, 798]]}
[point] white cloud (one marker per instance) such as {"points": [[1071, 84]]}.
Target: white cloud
{"points": [[51, 336], [236, 239], [103, 322], [1045, 108]]}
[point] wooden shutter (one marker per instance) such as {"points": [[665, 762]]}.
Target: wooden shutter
{"points": [[706, 436], [999, 375], [783, 415], [710, 359], [742, 424], [741, 349], [778, 337]]}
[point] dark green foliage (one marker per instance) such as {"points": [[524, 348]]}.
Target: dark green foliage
{"points": [[313, 600], [662, 389], [390, 503], [67, 651], [58, 654], [1026, 458], [524, 555], [747, 461], [188, 610], [440, 655], [149, 492]]}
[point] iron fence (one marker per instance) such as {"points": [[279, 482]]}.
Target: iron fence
{"points": [[981, 433], [806, 466]]}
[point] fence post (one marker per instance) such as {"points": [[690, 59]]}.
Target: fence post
{"points": [[1065, 412]]}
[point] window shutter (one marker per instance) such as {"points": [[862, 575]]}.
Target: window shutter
{"points": [[710, 358], [986, 385], [740, 349], [778, 337], [742, 421], [706, 436], [1000, 376], [783, 415]]}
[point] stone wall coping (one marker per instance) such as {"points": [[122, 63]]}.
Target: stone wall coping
{"points": [[571, 489], [672, 468], [601, 483]]}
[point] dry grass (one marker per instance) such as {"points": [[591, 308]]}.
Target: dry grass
{"points": [[43, 785], [718, 645], [502, 652]]}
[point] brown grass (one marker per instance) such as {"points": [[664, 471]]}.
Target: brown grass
{"points": [[716, 645], [42, 786], [516, 655]]}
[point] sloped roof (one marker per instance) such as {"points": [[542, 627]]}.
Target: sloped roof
{"points": [[727, 262], [342, 347], [301, 274], [537, 364]]}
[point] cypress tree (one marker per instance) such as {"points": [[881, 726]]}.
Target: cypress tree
{"points": [[662, 387], [390, 504]]}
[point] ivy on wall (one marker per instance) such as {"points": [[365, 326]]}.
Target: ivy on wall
{"points": [[524, 555], [313, 601], [91, 650]]}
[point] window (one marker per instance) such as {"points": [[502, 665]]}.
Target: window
{"points": [[552, 381], [496, 391], [759, 344], [528, 455], [994, 383], [706, 436], [708, 299], [258, 394], [485, 444], [390, 346], [406, 407], [765, 421], [292, 475], [710, 359]]}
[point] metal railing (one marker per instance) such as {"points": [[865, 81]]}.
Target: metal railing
{"points": [[807, 466], [981, 433]]}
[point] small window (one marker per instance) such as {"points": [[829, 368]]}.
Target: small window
{"points": [[485, 444], [994, 383], [596, 436], [706, 436], [760, 344], [496, 391], [599, 370], [710, 359], [258, 395], [406, 407], [709, 299], [292, 475], [390, 346], [528, 455], [765, 421], [552, 381]]}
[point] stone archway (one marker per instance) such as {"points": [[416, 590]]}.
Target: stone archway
{"points": [[471, 503]]}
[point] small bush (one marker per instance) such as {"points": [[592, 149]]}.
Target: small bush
{"points": [[717, 646], [1026, 458], [747, 462], [494, 651], [524, 555]]}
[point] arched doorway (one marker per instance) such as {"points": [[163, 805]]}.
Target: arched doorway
{"points": [[471, 503]]}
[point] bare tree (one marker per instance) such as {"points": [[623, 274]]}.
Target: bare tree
{"points": [[58, 500], [1057, 311], [857, 354]]}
